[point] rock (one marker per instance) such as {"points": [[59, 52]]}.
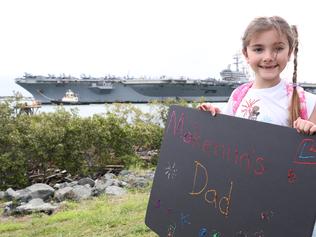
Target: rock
{"points": [[139, 182], [109, 176], [84, 181], [114, 190], [61, 185], [21, 195], [40, 190], [61, 194], [124, 184], [125, 172], [2, 194], [36, 205], [150, 175], [11, 194], [73, 183], [101, 185], [8, 208], [79, 192], [32, 198]]}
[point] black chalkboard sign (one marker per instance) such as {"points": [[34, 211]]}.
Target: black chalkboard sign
{"points": [[226, 176]]}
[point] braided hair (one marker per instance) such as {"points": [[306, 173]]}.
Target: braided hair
{"points": [[295, 101]]}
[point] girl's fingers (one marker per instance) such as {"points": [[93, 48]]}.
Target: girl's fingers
{"points": [[307, 127], [203, 107], [312, 130], [297, 122], [209, 107]]}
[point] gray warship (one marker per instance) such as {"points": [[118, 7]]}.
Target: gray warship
{"points": [[110, 89], [47, 89]]}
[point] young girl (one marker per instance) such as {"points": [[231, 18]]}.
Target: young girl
{"points": [[268, 44]]}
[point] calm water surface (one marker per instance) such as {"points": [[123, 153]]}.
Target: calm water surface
{"points": [[89, 110]]}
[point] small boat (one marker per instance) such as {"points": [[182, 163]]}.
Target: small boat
{"points": [[70, 98]]}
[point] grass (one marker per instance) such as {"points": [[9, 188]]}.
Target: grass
{"points": [[101, 216]]}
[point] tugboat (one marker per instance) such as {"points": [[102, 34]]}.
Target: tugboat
{"points": [[70, 98]]}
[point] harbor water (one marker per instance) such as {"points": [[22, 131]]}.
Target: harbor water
{"points": [[102, 109]]}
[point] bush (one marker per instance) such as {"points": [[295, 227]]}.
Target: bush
{"points": [[82, 146], [131, 161], [12, 160]]}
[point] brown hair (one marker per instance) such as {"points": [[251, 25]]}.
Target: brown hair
{"points": [[262, 24]]}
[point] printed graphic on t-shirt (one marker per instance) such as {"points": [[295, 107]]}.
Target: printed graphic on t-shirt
{"points": [[254, 113], [250, 110]]}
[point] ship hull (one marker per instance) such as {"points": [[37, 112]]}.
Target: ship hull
{"points": [[90, 91], [60, 102]]}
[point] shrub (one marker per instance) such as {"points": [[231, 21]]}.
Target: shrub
{"points": [[83, 146]]}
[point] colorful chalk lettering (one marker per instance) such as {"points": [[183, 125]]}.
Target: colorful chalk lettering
{"points": [[248, 161], [203, 232], [185, 219], [211, 195], [171, 230], [291, 176], [306, 152], [215, 233], [222, 176]]}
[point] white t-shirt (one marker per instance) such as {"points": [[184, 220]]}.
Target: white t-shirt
{"points": [[270, 105]]}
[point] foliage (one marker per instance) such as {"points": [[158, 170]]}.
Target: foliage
{"points": [[34, 145], [12, 160], [163, 108]]}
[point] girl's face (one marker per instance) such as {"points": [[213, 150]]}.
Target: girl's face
{"points": [[267, 54]]}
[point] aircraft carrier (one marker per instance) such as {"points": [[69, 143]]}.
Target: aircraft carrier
{"points": [[110, 89], [135, 90]]}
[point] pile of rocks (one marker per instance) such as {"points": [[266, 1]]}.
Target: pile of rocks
{"points": [[41, 197]]}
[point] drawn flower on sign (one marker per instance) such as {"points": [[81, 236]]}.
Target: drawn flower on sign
{"points": [[171, 170]]}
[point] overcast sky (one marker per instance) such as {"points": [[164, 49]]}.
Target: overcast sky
{"points": [[191, 38]]}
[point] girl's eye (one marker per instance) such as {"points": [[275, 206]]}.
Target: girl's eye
{"points": [[258, 50], [278, 49]]}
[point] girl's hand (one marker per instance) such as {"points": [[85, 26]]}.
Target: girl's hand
{"points": [[304, 126], [210, 108]]}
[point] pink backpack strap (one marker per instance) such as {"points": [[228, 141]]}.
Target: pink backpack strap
{"points": [[301, 95], [239, 93]]}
